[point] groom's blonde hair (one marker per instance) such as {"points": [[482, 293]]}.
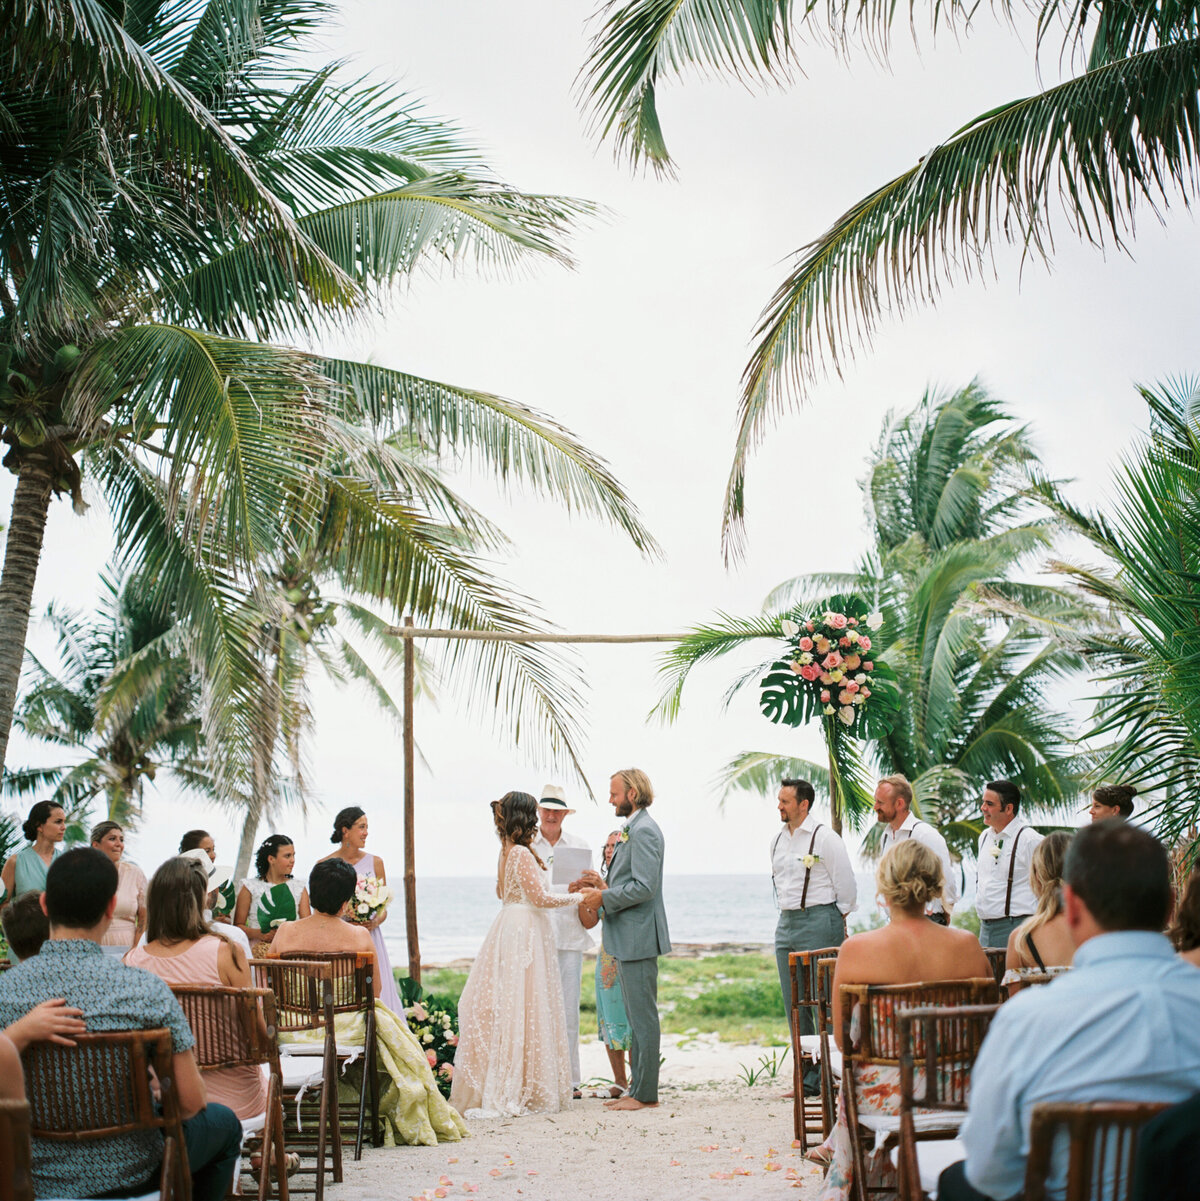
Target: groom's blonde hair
{"points": [[638, 783]]}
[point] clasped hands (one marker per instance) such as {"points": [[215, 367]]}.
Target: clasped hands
{"points": [[592, 886]]}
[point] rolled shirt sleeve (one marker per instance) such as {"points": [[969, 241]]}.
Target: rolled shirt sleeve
{"points": [[837, 860]]}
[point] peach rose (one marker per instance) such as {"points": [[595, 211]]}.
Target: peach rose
{"points": [[851, 688], [844, 643], [810, 672], [831, 660], [824, 696], [865, 643], [866, 692], [432, 1057], [838, 621], [808, 625], [869, 665], [806, 643]]}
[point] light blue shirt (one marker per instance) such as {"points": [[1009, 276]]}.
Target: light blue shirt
{"points": [[1121, 1026]]}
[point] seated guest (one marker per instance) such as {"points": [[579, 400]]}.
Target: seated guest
{"points": [[219, 880], [909, 949], [1042, 941], [270, 897], [130, 919], [1121, 1025], [80, 897], [412, 1108], [1185, 929], [222, 895], [1113, 800], [181, 948], [26, 926]]}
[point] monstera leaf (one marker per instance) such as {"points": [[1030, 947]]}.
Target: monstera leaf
{"points": [[226, 897], [276, 906]]}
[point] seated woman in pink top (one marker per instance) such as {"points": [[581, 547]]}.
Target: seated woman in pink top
{"points": [[182, 949]]}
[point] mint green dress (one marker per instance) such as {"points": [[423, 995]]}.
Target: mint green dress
{"points": [[30, 873]]}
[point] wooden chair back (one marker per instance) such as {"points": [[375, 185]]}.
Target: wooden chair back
{"points": [[353, 976], [938, 1049], [16, 1152], [1101, 1151], [802, 967], [303, 993], [100, 1088], [997, 957], [825, 969], [234, 1027]]}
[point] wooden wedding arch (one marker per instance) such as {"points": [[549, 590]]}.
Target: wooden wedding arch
{"points": [[408, 632]]}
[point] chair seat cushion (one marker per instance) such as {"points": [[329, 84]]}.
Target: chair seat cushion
{"points": [[810, 1044], [835, 1062], [934, 1156], [349, 1050], [300, 1072], [253, 1125], [885, 1124]]}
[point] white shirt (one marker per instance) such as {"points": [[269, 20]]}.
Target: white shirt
{"points": [[831, 880], [569, 934], [995, 855], [914, 827]]}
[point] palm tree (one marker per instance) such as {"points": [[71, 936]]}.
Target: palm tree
{"points": [[1123, 132], [124, 706], [950, 504], [1147, 653], [177, 185]]}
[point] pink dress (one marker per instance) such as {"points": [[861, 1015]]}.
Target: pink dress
{"points": [[383, 963], [131, 896], [239, 1088]]}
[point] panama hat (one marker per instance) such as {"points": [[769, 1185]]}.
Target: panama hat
{"points": [[217, 875], [552, 798]]}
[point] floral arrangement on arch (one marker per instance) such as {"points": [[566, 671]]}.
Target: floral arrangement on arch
{"points": [[832, 671], [370, 898], [436, 1029]]}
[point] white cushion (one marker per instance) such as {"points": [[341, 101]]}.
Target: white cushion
{"points": [[933, 1158], [353, 1050], [298, 1072], [835, 1062], [253, 1125], [810, 1044]]}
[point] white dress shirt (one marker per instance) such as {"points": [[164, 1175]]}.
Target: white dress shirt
{"points": [[569, 934], [831, 881], [914, 827], [995, 855]]}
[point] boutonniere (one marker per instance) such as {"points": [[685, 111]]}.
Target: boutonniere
{"points": [[810, 861], [997, 849], [624, 835]]}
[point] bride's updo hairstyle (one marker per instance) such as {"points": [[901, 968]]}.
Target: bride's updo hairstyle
{"points": [[516, 818], [910, 876], [344, 821]]}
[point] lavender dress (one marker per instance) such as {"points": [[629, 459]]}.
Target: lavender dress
{"points": [[383, 964]]}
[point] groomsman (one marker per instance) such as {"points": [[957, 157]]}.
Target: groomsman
{"points": [[1003, 895], [893, 808], [570, 938], [814, 887]]}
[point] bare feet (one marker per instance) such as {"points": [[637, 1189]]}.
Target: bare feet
{"points": [[630, 1103]]}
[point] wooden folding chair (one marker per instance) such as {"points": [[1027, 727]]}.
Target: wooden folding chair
{"points": [[1102, 1146], [938, 1049], [303, 993], [875, 1009], [354, 992], [16, 1153], [100, 1088], [831, 1057], [806, 1048], [234, 1028], [997, 958]]}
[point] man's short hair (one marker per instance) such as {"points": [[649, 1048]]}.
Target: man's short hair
{"points": [[331, 883], [1121, 874], [802, 788], [638, 783], [1008, 793], [79, 886], [901, 788], [26, 927]]}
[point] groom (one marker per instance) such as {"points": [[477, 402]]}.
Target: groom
{"points": [[635, 927]]}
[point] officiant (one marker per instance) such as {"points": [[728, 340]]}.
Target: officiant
{"points": [[570, 938]]}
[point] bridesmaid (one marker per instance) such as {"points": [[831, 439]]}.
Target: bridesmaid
{"points": [[350, 832], [129, 921], [261, 894], [45, 827]]}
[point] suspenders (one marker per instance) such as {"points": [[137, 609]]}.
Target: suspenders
{"points": [[1012, 866], [812, 842]]}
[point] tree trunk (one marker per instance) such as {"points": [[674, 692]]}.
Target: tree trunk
{"points": [[27, 528], [264, 756]]}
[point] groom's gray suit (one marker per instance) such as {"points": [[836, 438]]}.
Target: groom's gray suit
{"points": [[635, 935]]}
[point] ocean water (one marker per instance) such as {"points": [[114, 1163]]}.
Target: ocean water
{"points": [[454, 913]]}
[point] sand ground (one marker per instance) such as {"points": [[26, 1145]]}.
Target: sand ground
{"points": [[711, 1137]]}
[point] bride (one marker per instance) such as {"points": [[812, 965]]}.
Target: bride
{"points": [[512, 1053]]}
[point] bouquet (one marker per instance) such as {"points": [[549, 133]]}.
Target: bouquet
{"points": [[371, 898], [831, 669], [434, 1025]]}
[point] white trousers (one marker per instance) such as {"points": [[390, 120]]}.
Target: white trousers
{"points": [[570, 970]]}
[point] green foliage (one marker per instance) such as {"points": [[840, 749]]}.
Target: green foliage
{"points": [[965, 918]]}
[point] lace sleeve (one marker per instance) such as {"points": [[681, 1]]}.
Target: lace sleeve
{"points": [[530, 880]]}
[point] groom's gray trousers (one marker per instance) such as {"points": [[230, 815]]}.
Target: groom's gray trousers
{"points": [[639, 987], [805, 930]]}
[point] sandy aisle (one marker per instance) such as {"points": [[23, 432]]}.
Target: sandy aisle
{"points": [[711, 1137]]}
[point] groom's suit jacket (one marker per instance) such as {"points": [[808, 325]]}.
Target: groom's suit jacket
{"points": [[635, 922]]}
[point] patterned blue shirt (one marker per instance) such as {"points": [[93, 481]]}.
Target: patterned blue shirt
{"points": [[1120, 1026], [112, 997]]}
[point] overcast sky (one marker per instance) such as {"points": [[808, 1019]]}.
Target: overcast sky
{"points": [[639, 352]]}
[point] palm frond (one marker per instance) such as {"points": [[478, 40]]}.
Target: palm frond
{"points": [[759, 772]]}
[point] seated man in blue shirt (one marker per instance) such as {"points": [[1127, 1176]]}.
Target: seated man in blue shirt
{"points": [[80, 897], [1120, 1026]]}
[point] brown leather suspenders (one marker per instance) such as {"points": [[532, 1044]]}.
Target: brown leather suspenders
{"points": [[808, 871], [1012, 867]]}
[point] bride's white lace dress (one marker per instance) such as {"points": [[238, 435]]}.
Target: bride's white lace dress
{"points": [[512, 1055]]}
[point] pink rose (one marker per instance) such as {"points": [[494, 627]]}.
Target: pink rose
{"points": [[806, 643], [852, 688], [826, 678], [452, 1040], [808, 625], [811, 672], [796, 667], [852, 662], [831, 660], [824, 696], [837, 620], [866, 692], [869, 666], [865, 642], [844, 643], [419, 1012], [432, 1057], [853, 621]]}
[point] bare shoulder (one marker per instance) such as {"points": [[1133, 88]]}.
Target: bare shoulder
{"points": [[379, 868], [363, 939]]}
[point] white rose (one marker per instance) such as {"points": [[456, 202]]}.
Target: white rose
{"points": [[874, 620], [861, 678], [364, 908], [427, 1037]]}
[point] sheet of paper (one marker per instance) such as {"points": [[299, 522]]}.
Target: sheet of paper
{"points": [[569, 864]]}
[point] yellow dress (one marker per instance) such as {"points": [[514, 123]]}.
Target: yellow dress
{"points": [[412, 1111]]}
